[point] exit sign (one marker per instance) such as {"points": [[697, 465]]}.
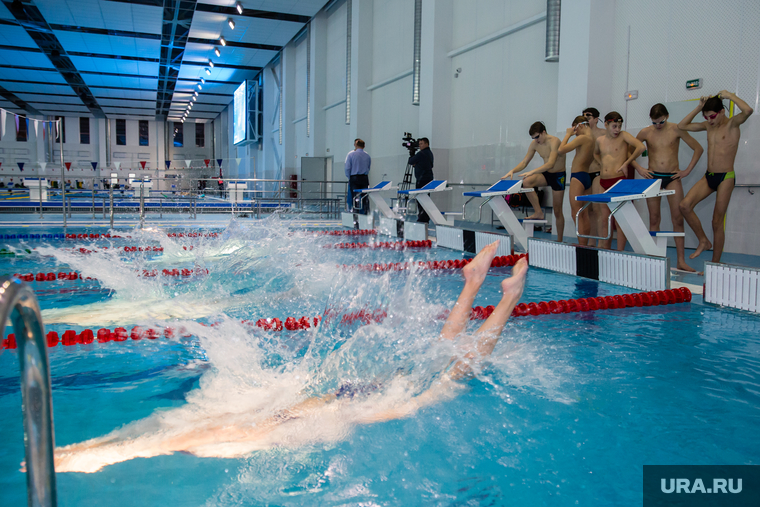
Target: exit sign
{"points": [[694, 84]]}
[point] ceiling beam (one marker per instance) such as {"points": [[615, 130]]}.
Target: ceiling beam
{"points": [[178, 16], [31, 19], [22, 104]]}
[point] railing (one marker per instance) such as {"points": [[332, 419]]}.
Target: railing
{"points": [[187, 195], [17, 302]]}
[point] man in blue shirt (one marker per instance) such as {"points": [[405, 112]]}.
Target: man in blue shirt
{"points": [[357, 172]]}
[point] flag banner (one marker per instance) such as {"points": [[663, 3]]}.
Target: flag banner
{"points": [[94, 165], [43, 165], [219, 161], [207, 160], [142, 163], [36, 127], [68, 166], [168, 163], [187, 163], [117, 164], [238, 160], [20, 166], [2, 123]]}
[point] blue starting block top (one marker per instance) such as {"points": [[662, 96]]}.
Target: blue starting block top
{"points": [[433, 186], [624, 190], [380, 186], [500, 187]]}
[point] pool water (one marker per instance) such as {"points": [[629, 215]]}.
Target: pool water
{"points": [[567, 411]]}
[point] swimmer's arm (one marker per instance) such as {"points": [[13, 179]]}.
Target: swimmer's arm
{"points": [[687, 125], [638, 149], [641, 137], [549, 164], [747, 111], [524, 163], [567, 147], [698, 150], [597, 153]]}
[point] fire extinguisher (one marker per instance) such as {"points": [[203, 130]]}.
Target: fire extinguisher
{"points": [[294, 185]]}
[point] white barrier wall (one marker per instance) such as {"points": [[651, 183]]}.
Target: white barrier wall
{"points": [[732, 286]]}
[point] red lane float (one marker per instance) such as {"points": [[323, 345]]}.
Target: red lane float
{"points": [[397, 245], [351, 232], [506, 260]]}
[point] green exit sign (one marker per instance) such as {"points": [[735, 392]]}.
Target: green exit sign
{"points": [[694, 84]]}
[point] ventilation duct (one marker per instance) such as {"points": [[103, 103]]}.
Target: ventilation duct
{"points": [[553, 8], [417, 51], [348, 61]]}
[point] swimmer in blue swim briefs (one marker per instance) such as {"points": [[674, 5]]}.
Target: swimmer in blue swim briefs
{"points": [[580, 181], [238, 434]]}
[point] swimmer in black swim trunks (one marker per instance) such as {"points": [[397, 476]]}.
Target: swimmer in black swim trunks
{"points": [[237, 434], [723, 135], [662, 140], [580, 181], [551, 173]]}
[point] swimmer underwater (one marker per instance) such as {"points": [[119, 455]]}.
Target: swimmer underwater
{"points": [[228, 435]]}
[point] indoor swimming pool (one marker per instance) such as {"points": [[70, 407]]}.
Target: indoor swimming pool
{"points": [[566, 412]]}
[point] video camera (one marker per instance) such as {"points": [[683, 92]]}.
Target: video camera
{"points": [[410, 143]]}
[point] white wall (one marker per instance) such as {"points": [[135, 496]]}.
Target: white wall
{"points": [[674, 46]]}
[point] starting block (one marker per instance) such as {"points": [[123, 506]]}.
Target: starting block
{"points": [[379, 201], [521, 230], [422, 195], [357, 221], [619, 197]]}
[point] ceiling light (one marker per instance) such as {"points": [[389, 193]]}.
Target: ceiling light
{"points": [[183, 120], [231, 22], [210, 63], [203, 81], [208, 72], [222, 41], [239, 8], [200, 87], [217, 52], [196, 94], [194, 99]]}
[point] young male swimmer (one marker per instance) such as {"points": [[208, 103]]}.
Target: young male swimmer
{"points": [[314, 419], [723, 135], [662, 139], [551, 173]]}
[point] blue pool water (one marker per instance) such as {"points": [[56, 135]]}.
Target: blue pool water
{"points": [[567, 411]]}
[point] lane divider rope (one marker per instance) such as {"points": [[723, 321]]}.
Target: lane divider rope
{"points": [[397, 245], [497, 262], [634, 300]]}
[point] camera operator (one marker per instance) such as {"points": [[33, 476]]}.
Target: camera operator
{"points": [[357, 171], [423, 171]]}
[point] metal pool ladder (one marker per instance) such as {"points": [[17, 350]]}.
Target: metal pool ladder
{"points": [[17, 302]]}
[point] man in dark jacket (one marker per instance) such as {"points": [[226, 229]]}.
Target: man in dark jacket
{"points": [[423, 171]]}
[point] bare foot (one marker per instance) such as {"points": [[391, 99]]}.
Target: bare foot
{"points": [[535, 216], [514, 285], [703, 245], [685, 267], [475, 271]]}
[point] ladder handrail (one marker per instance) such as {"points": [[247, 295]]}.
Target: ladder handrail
{"points": [[18, 302]]}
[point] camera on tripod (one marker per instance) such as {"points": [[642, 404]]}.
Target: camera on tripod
{"points": [[410, 143]]}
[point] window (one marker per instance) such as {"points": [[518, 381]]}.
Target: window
{"points": [[84, 130], [60, 128], [200, 135], [22, 127], [144, 130], [121, 132], [178, 135]]}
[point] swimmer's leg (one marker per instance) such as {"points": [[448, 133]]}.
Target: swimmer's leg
{"points": [[474, 275], [488, 334]]}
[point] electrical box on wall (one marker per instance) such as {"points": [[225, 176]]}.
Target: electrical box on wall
{"points": [[694, 84], [632, 95]]}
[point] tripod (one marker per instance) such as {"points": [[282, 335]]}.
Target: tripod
{"points": [[406, 184]]}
